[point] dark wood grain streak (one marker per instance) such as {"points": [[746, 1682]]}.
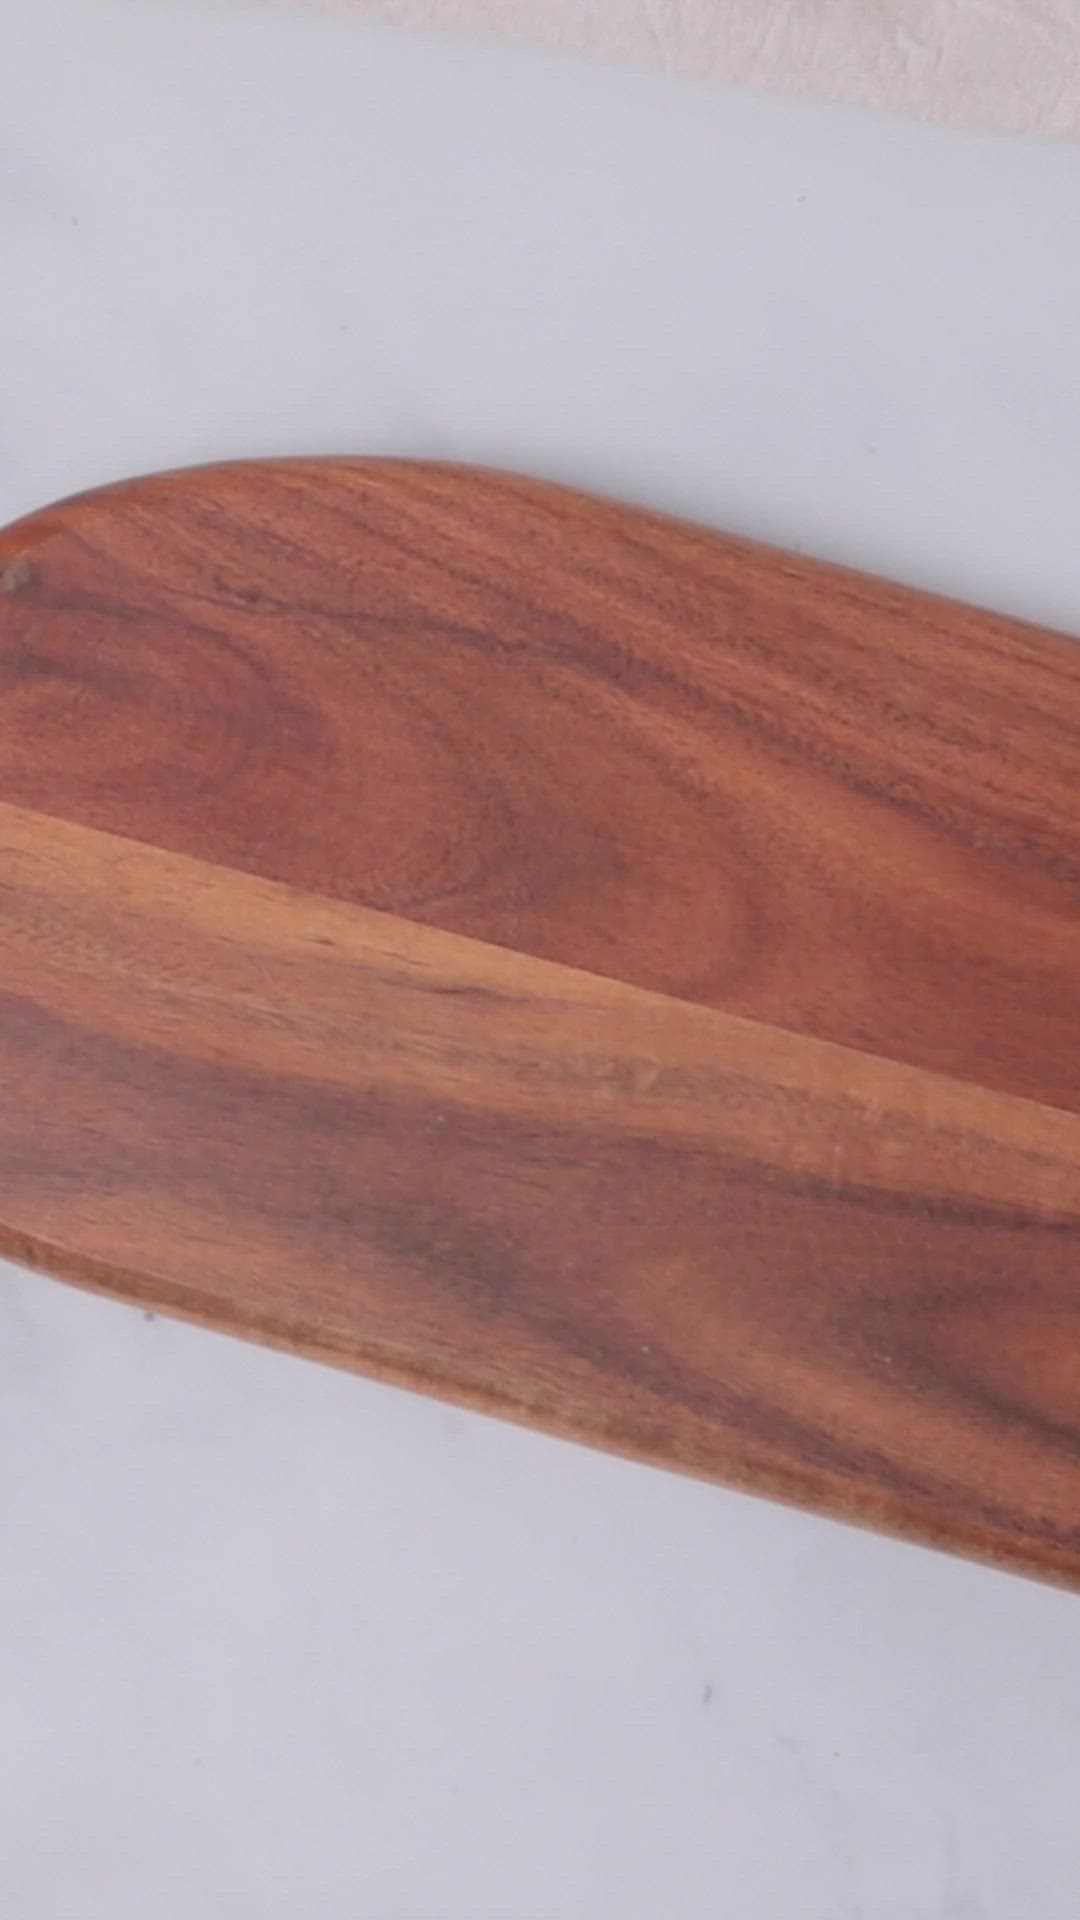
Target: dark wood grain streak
{"points": [[558, 958], [578, 730]]}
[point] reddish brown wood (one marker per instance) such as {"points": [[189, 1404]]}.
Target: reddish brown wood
{"points": [[578, 730], [284, 749]]}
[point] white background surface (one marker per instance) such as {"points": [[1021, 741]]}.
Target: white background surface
{"points": [[274, 1641]]}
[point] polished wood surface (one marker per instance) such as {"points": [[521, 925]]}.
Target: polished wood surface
{"points": [[612, 975]]}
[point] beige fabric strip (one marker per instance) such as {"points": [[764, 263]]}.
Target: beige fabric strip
{"points": [[1011, 66]]}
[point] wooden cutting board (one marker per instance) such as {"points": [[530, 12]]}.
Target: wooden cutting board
{"points": [[552, 956]]}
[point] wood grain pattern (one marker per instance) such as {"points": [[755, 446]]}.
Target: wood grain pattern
{"points": [[577, 730], [614, 976]]}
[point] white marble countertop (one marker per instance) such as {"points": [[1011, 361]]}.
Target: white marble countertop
{"points": [[278, 1641]]}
